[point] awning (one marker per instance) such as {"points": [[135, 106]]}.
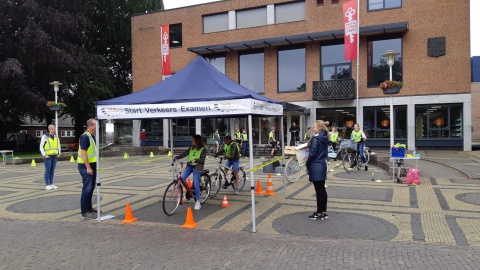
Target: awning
{"points": [[294, 109], [300, 38]]}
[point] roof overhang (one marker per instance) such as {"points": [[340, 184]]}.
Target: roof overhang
{"points": [[294, 109], [379, 29]]}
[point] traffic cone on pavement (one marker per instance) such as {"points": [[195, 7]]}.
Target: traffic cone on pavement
{"points": [[151, 154], [225, 202], [259, 188], [128, 215], [33, 163], [72, 159], [125, 156], [189, 222], [269, 191]]}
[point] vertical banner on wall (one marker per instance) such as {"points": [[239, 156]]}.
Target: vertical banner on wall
{"points": [[350, 15], [165, 49]]}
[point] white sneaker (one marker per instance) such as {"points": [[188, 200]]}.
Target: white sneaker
{"points": [[54, 187], [197, 205], [48, 187], [237, 192]]}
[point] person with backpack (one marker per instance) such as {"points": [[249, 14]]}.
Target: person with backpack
{"points": [[232, 154]]}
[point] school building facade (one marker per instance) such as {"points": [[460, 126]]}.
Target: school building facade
{"points": [[293, 51]]}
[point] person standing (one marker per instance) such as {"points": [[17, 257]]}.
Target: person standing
{"points": [[308, 134], [51, 150], [237, 136], [216, 139], [87, 166], [334, 138], [295, 132], [272, 141], [244, 142], [195, 163], [317, 167], [359, 137], [143, 138], [232, 154]]}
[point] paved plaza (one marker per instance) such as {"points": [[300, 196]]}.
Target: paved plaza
{"points": [[372, 225]]}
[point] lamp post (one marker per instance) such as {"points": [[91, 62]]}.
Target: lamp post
{"points": [[56, 85], [390, 54]]}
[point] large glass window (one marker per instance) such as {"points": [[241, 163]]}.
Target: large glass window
{"points": [[251, 17], [215, 23], [376, 122], [342, 118], [438, 121], [252, 70], [210, 124], [377, 68], [334, 65], [291, 69], [176, 35], [290, 12], [383, 4], [154, 129], [217, 60]]}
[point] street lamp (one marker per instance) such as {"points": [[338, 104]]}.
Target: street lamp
{"points": [[390, 54], [55, 88]]}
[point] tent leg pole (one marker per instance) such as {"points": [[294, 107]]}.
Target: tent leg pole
{"points": [[283, 160], [97, 142], [252, 181]]}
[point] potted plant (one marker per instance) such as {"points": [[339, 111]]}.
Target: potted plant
{"points": [[391, 87], [56, 106]]}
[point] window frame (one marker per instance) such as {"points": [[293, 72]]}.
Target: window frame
{"points": [[289, 48], [248, 52], [380, 9], [371, 84], [326, 44], [42, 132], [211, 15]]}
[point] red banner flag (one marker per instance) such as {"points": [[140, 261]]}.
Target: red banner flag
{"points": [[165, 50], [350, 15]]}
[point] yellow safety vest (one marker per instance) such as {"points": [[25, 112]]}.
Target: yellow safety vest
{"points": [[194, 154], [228, 149], [244, 135], [357, 136], [237, 135], [51, 145], [271, 136], [334, 137], [91, 151]]}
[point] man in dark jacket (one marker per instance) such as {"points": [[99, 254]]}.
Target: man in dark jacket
{"points": [[232, 154], [295, 132]]}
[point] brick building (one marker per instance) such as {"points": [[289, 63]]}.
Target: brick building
{"points": [[293, 51]]}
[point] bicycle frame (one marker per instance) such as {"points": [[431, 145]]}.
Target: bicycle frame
{"points": [[180, 178]]}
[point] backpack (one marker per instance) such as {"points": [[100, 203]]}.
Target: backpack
{"points": [[413, 176]]}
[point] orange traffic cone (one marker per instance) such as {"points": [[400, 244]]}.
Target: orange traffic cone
{"points": [[259, 188], [189, 183], [189, 222], [128, 215], [225, 202], [269, 191]]}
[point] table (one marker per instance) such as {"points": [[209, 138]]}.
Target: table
{"points": [[4, 156], [393, 159]]}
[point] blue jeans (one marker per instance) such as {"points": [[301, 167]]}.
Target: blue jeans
{"points": [[196, 179], [245, 148], [360, 149], [89, 182], [50, 164], [143, 142]]}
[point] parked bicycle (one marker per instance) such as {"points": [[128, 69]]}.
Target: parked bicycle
{"points": [[219, 175], [174, 193], [352, 161], [212, 149], [294, 170]]}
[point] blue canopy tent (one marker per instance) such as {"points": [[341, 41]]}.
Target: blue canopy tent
{"points": [[199, 90]]}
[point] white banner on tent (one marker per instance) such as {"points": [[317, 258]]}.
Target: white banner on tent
{"points": [[189, 109]]}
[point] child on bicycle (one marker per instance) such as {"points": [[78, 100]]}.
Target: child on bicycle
{"points": [[232, 154], [359, 137], [195, 163]]}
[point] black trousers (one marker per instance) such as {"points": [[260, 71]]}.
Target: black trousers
{"points": [[321, 196]]}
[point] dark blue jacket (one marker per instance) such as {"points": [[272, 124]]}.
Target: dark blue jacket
{"points": [[316, 166]]}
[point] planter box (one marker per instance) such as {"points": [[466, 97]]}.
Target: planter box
{"points": [[55, 108], [391, 90]]}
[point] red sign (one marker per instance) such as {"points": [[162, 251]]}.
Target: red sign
{"points": [[350, 15], [165, 50]]}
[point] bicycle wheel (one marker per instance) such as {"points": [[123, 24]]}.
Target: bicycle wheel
{"points": [[212, 149], [366, 153], [216, 179], [350, 163], [242, 178], [172, 197], [205, 187], [293, 170], [326, 162], [267, 151]]}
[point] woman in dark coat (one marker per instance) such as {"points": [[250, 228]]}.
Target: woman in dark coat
{"points": [[317, 167]]}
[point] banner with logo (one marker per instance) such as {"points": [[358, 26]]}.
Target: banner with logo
{"points": [[350, 15], [189, 109], [166, 50]]}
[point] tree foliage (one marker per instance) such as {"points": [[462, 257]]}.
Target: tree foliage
{"points": [[85, 44]]}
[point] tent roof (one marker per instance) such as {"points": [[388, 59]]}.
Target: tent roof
{"points": [[198, 81]]}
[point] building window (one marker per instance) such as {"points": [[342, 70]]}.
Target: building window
{"points": [[290, 12], [320, 2], [215, 23], [438, 121], [383, 4], [216, 60], [376, 122], [291, 69], [175, 35], [342, 118], [334, 66], [335, 1], [251, 17], [377, 67], [68, 133], [252, 70], [40, 133]]}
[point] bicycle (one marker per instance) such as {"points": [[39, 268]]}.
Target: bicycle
{"points": [[212, 149], [352, 161], [173, 196], [267, 150], [219, 174], [293, 170]]}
